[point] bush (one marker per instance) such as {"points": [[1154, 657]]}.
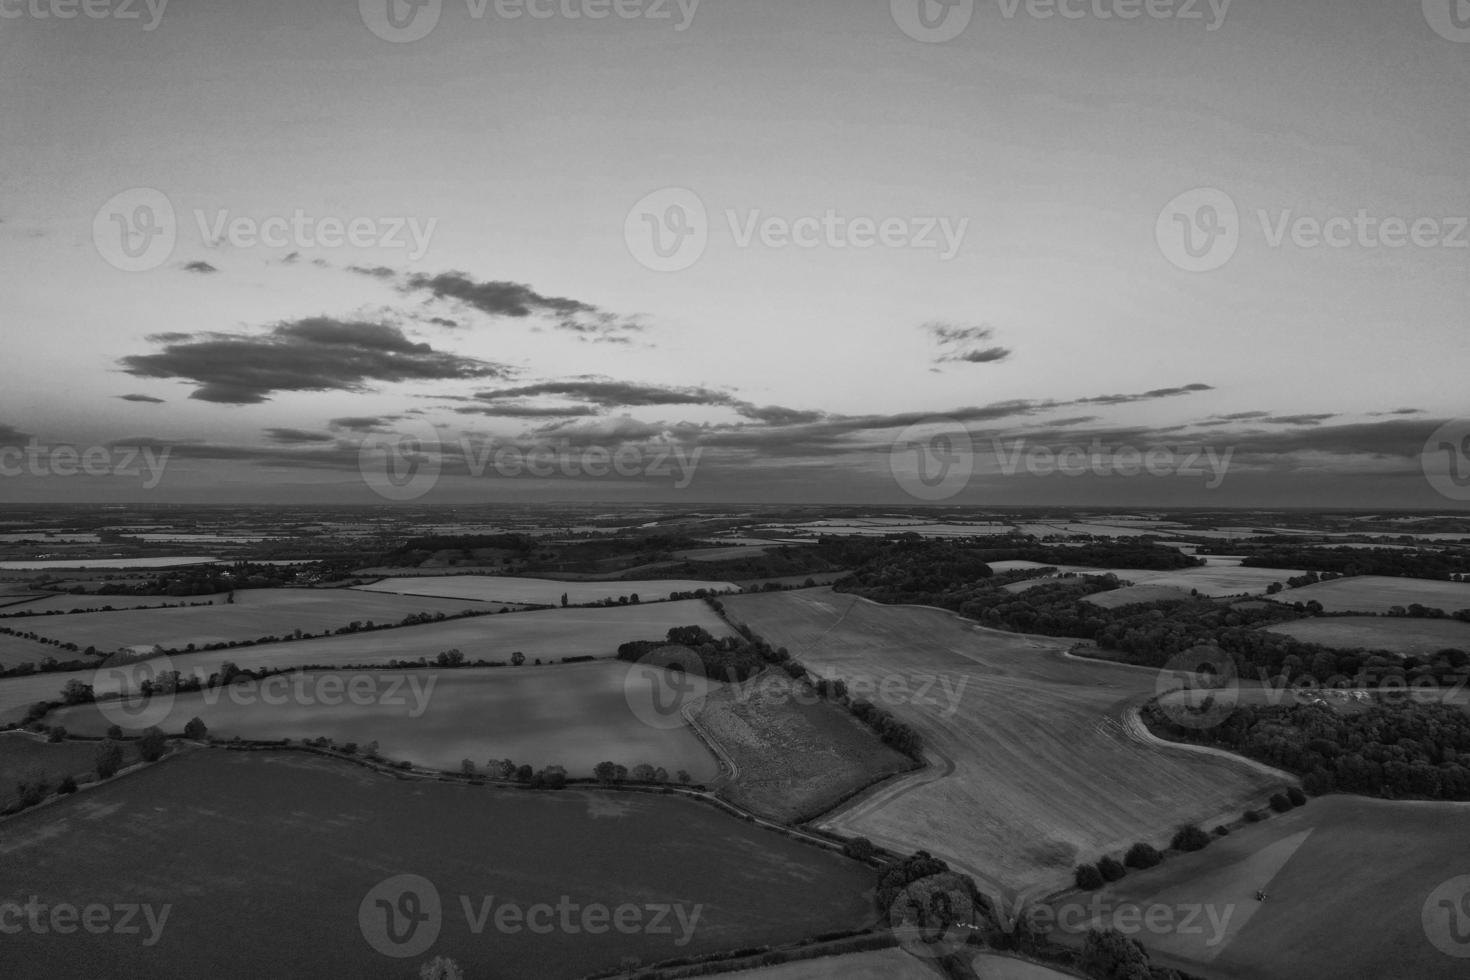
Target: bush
{"points": [[1142, 856], [1297, 797], [1190, 838], [196, 729], [1111, 869], [1281, 803], [1088, 878], [152, 745], [1254, 816], [109, 759], [67, 786], [1222, 831]]}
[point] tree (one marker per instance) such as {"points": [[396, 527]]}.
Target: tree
{"points": [[1141, 856], [606, 772], [196, 729], [563, 600], [467, 768], [552, 777], [441, 968], [1111, 869], [109, 759], [1110, 955], [75, 692], [1297, 797], [1280, 802], [517, 658], [152, 745], [683, 777], [643, 773], [114, 732], [1190, 838], [859, 849], [525, 774], [1088, 878]]}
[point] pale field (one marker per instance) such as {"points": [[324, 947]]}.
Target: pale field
{"points": [[1135, 594], [41, 566], [545, 592], [1214, 581], [15, 650], [1379, 594], [1035, 766], [993, 966], [253, 614], [549, 635], [1412, 637], [881, 964], [574, 715]]}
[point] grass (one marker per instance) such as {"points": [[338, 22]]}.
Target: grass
{"points": [[575, 716], [270, 855], [15, 650], [65, 603], [882, 964], [1411, 637], [1379, 594], [545, 592], [796, 758], [25, 757], [1347, 881], [1034, 766]]}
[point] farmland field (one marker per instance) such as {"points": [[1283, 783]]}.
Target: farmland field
{"points": [[574, 715], [46, 566], [253, 614], [271, 855], [545, 592], [1379, 594], [1411, 637], [1319, 923], [16, 650], [24, 757], [1219, 580], [795, 757], [1129, 595], [1034, 763], [66, 603], [547, 635], [882, 964]]}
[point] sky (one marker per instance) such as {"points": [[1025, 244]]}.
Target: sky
{"points": [[767, 251]]}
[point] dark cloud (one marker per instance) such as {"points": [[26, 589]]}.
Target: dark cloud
{"points": [[963, 345], [612, 394], [298, 436], [1298, 419], [1396, 412], [201, 267], [315, 354], [1147, 396], [143, 399], [512, 410], [11, 436], [441, 321], [364, 423]]}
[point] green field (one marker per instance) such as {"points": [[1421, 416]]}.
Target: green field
{"points": [[1411, 637], [15, 650], [266, 859], [546, 592], [65, 603], [25, 757], [1347, 881], [1118, 598], [1379, 594]]}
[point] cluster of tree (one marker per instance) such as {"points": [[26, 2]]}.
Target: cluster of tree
{"points": [[213, 579], [1107, 954], [731, 658], [611, 774], [1140, 857], [1399, 563], [548, 777], [1396, 751]]}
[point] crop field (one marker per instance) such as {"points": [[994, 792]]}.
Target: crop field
{"points": [[535, 591], [253, 614], [573, 715], [271, 857], [1129, 595], [25, 757], [16, 650], [1035, 765], [1216, 581], [994, 966], [85, 603], [548, 635], [795, 757], [1348, 880], [1411, 637], [882, 964], [1379, 594]]}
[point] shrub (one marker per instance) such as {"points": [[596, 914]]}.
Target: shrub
{"points": [[1142, 856], [1254, 816], [152, 745], [1281, 803], [1111, 869], [1190, 838], [1222, 831], [196, 729], [1297, 797], [67, 786], [109, 759], [1088, 878]]}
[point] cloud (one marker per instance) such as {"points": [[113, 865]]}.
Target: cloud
{"points": [[610, 394], [11, 436], [1147, 396], [298, 436], [963, 345], [204, 268], [142, 399], [364, 423], [510, 410], [314, 354]]}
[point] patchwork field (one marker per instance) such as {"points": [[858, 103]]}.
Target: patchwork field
{"points": [[84, 603], [575, 715], [15, 650], [548, 635], [1349, 883], [253, 614], [1379, 594], [1215, 580], [794, 758], [272, 855], [1133, 594], [1411, 637], [1034, 764], [536, 591]]}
